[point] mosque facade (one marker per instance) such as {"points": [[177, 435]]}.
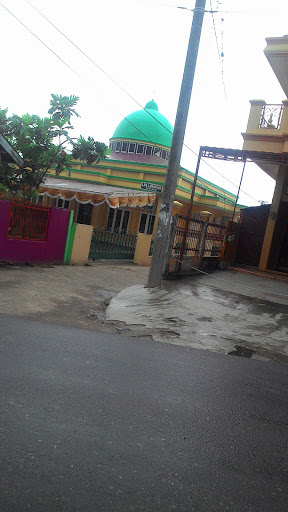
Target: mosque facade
{"points": [[122, 193]]}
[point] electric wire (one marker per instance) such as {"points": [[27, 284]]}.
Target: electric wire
{"points": [[64, 62], [220, 54], [42, 42], [115, 83], [131, 97]]}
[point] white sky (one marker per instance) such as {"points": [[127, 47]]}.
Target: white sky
{"points": [[142, 44]]}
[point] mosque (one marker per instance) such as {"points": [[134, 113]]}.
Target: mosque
{"points": [[122, 193]]}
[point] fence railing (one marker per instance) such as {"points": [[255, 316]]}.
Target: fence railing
{"points": [[271, 116], [27, 222], [214, 240], [193, 231], [105, 244], [201, 241]]}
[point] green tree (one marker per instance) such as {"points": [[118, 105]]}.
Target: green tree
{"points": [[62, 107], [34, 139], [89, 150]]}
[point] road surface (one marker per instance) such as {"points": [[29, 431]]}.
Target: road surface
{"points": [[99, 422]]}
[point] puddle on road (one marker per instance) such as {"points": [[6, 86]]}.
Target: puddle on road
{"points": [[242, 351]]}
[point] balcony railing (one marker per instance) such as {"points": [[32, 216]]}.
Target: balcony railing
{"points": [[271, 116]]}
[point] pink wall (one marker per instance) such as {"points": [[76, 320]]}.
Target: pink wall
{"points": [[26, 251]]}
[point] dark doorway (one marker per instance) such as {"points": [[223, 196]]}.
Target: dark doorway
{"points": [[252, 231], [282, 219], [283, 259], [278, 257], [85, 214]]}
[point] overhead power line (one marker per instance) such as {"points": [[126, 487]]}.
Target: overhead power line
{"points": [[132, 98], [220, 54], [129, 95], [111, 79], [63, 61], [42, 42]]}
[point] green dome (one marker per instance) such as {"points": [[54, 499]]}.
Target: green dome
{"points": [[146, 126]]}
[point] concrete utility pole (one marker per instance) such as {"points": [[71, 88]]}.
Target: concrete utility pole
{"points": [[161, 241]]}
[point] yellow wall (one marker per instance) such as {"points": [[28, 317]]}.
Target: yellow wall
{"points": [[131, 175], [275, 141], [266, 139], [141, 256], [278, 192], [81, 246]]}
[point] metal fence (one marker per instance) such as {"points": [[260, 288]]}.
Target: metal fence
{"points": [[271, 116], [214, 239], [108, 245], [198, 241], [193, 230], [28, 222]]}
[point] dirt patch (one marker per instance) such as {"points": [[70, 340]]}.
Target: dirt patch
{"points": [[69, 296]]}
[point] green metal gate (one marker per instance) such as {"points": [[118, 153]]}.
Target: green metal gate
{"points": [[108, 245]]}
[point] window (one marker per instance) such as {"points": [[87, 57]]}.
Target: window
{"points": [[148, 150], [37, 200], [142, 224], [146, 223], [118, 146], [164, 154], [112, 146], [140, 149], [132, 146], [85, 214], [28, 222], [61, 203], [118, 220], [124, 147], [157, 151]]}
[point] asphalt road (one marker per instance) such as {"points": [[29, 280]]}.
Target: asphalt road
{"points": [[99, 422]]}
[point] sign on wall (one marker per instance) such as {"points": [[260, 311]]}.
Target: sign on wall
{"points": [[150, 187]]}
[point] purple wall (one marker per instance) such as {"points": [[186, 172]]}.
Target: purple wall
{"points": [[26, 251]]}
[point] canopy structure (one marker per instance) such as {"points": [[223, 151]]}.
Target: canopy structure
{"points": [[267, 161], [243, 155], [95, 194], [273, 160]]}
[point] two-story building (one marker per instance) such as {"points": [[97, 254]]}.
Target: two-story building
{"points": [[267, 131]]}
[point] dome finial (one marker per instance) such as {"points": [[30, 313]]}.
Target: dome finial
{"points": [[151, 105]]}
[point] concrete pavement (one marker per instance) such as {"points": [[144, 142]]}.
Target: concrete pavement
{"points": [[94, 421], [212, 312]]}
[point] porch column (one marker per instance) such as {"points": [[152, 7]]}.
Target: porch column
{"points": [[281, 178], [255, 115]]}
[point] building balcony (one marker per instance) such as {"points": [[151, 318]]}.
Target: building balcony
{"points": [[267, 130]]}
